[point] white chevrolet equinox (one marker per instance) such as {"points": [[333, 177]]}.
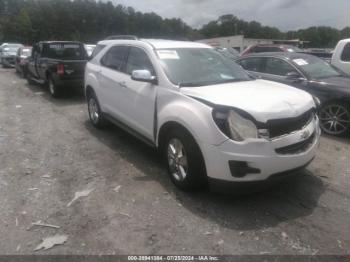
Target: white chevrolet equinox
{"points": [[210, 120]]}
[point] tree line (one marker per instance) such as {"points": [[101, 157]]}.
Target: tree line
{"points": [[29, 21]]}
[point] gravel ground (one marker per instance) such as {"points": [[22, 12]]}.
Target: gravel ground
{"points": [[49, 151]]}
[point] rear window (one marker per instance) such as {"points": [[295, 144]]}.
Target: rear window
{"points": [[68, 51], [345, 56], [251, 64]]}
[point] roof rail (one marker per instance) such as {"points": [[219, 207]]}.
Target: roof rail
{"points": [[122, 37]]}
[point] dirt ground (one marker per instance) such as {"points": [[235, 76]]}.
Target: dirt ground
{"points": [[49, 151]]}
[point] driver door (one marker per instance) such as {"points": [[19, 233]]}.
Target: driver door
{"points": [[140, 97]]}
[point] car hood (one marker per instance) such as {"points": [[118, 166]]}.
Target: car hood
{"points": [[263, 100]]}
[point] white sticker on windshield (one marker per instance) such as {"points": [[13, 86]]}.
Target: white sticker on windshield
{"points": [[300, 62], [168, 54]]}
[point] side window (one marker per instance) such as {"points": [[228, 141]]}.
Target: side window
{"points": [[275, 66], [251, 64], [115, 58], [345, 56], [138, 60]]}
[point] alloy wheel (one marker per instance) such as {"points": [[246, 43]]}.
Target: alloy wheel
{"points": [[51, 87], [335, 119], [93, 110], [177, 160]]}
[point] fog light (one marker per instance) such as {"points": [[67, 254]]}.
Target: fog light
{"points": [[241, 169]]}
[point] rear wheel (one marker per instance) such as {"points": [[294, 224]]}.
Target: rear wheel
{"points": [[184, 160], [29, 79], [54, 90], [95, 113], [335, 118]]}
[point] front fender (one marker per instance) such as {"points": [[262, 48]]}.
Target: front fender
{"points": [[195, 116]]}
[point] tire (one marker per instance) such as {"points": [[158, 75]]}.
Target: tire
{"points": [[95, 113], [184, 160], [55, 91], [29, 79], [335, 118]]}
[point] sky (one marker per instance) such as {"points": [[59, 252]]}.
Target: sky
{"points": [[283, 14]]}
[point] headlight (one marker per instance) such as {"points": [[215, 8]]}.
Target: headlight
{"points": [[235, 126], [317, 102]]}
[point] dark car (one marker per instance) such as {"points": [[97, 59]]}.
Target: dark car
{"points": [[263, 48], [312, 74], [21, 60], [57, 64], [8, 53]]}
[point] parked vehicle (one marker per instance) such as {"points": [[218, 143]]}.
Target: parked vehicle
{"points": [[341, 56], [324, 54], [209, 119], [89, 49], [263, 48], [8, 53], [21, 60], [57, 64], [313, 75]]}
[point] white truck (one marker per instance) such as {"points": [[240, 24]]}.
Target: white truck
{"points": [[341, 56]]}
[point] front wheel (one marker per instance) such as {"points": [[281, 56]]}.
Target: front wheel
{"points": [[95, 113], [335, 118], [184, 160]]}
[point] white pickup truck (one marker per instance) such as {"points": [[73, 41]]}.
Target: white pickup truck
{"points": [[341, 56]]}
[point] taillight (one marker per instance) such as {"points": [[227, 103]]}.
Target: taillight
{"points": [[60, 69]]}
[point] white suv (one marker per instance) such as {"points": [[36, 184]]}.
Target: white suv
{"points": [[210, 120]]}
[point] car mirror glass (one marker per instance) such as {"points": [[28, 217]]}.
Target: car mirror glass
{"points": [[143, 76]]}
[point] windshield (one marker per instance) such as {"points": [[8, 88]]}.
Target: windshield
{"points": [[315, 67], [227, 53], [199, 67]]}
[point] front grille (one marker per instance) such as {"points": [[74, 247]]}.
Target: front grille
{"points": [[296, 148], [280, 127]]}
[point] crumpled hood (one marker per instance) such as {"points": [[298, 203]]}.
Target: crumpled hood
{"points": [[263, 100]]}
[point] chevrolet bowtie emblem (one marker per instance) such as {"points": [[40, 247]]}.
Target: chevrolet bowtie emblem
{"points": [[69, 71], [305, 134]]}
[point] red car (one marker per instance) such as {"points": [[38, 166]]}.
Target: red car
{"points": [[263, 48], [21, 60]]}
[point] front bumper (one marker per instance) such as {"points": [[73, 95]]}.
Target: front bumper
{"points": [[262, 157]]}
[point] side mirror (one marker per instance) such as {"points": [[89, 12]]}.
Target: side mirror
{"points": [[294, 76], [143, 76]]}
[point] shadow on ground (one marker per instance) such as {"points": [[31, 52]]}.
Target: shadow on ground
{"points": [[70, 95], [291, 199]]}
